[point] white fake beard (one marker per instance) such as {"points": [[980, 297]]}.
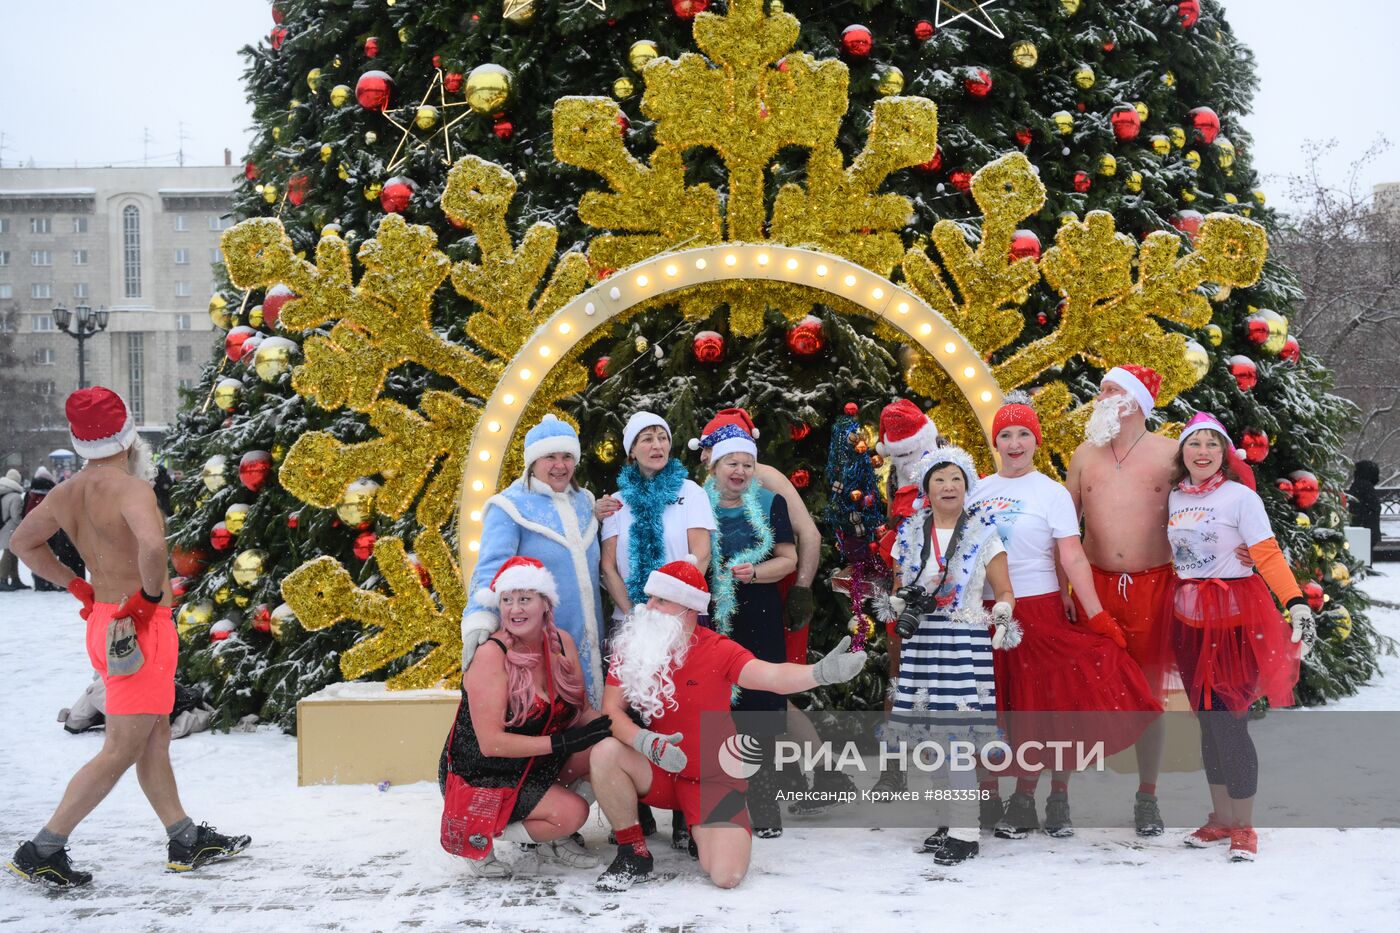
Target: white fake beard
{"points": [[1107, 419], [646, 650], [139, 459]]}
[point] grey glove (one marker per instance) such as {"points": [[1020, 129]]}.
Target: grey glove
{"points": [[1300, 619], [1001, 619], [839, 665], [661, 750], [476, 628]]}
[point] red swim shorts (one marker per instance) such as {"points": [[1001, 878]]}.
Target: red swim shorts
{"points": [[152, 688], [705, 803]]}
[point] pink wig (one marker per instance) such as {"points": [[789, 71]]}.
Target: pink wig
{"points": [[520, 684]]}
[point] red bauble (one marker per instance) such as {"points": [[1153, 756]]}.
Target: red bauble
{"points": [[1257, 330], [452, 82], [923, 30], [233, 342], [1188, 11], [962, 180], [1205, 125], [1312, 591], [1025, 244], [1042, 318], [805, 337], [934, 164], [397, 193], [220, 537], [372, 47], [278, 14], [800, 478], [600, 368], [623, 123], [1023, 137], [189, 561], [254, 468], [262, 618], [364, 544], [1127, 123], [851, 408], [799, 431], [279, 35], [423, 576], [178, 586], [856, 41], [978, 82], [250, 171], [1189, 223], [220, 630], [293, 521], [374, 90], [1245, 372], [1255, 444], [708, 346], [297, 187], [1305, 489], [689, 9], [503, 129], [437, 61], [1291, 352], [276, 297], [1083, 181], [1285, 486]]}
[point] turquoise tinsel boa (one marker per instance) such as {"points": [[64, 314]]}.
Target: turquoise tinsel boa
{"points": [[647, 498]]}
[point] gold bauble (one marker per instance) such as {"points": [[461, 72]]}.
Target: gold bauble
{"points": [[1177, 135], [623, 88], [1199, 358], [1193, 159], [269, 192], [248, 566], [273, 357], [222, 595], [1142, 110], [891, 82], [1069, 7], [1340, 574], [426, 118], [278, 451], [488, 88], [1224, 152], [373, 190], [313, 79], [234, 518], [1188, 195], [226, 393], [1108, 165], [343, 171], [1160, 144], [606, 450], [641, 52], [519, 12], [1230, 198], [1214, 334], [775, 7], [404, 34], [1258, 197], [1341, 623], [255, 316], [326, 153], [282, 621], [1302, 521], [1133, 182], [213, 473], [1025, 54], [1084, 77], [277, 134], [194, 615], [295, 104], [357, 505], [1064, 121], [640, 345], [1068, 217], [1278, 330], [218, 312], [1169, 78], [241, 600], [340, 94]]}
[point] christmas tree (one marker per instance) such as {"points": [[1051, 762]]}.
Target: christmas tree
{"points": [[439, 199]]}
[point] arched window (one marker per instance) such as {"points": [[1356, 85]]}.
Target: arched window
{"points": [[131, 250]]}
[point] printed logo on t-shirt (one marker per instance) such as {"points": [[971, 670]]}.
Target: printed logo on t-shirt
{"points": [[1005, 511], [1192, 538]]}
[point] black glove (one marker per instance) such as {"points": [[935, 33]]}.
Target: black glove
{"points": [[580, 737], [797, 613]]}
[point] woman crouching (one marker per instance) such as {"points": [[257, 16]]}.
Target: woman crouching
{"points": [[522, 731]]}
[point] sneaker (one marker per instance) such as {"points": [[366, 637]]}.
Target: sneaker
{"points": [[1019, 820], [935, 842], [568, 852], [489, 867], [767, 832], [989, 812], [1146, 817], [1057, 821], [827, 790], [627, 869], [209, 846], [891, 782], [680, 832], [956, 851], [1244, 844], [1208, 835], [56, 870]]}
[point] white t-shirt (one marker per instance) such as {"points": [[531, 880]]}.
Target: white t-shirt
{"points": [[690, 510], [1205, 530], [1031, 513]]}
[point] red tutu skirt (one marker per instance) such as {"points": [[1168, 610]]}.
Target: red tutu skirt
{"points": [[1232, 645], [1063, 682]]}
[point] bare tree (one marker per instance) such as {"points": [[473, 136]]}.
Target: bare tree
{"points": [[25, 409], [1345, 253]]}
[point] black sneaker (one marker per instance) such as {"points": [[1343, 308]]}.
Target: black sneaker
{"points": [[989, 812], [56, 870], [1057, 821], [955, 852], [1019, 820], [209, 846], [891, 782], [767, 832], [627, 869], [935, 842], [827, 790], [680, 832], [1146, 817]]}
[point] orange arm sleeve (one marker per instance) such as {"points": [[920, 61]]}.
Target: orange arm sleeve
{"points": [[1273, 567]]}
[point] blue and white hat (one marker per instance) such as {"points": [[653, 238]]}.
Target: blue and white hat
{"points": [[728, 439], [550, 436], [946, 456]]}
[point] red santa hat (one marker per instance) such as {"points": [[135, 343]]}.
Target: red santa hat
{"points": [[725, 416], [905, 430], [1140, 382], [99, 423], [680, 582], [519, 573], [1017, 414]]}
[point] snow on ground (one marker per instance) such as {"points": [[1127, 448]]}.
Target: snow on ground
{"points": [[356, 858]]}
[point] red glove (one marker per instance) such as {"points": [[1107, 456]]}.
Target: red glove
{"points": [[82, 592], [138, 607], [902, 505], [1105, 625]]}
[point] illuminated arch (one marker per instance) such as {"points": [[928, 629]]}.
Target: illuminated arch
{"points": [[615, 296]]}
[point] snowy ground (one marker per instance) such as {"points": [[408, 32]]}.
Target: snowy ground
{"points": [[355, 858]]}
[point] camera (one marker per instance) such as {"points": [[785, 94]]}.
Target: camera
{"points": [[908, 622]]}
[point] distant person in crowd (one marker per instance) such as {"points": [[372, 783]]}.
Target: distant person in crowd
{"points": [[60, 543], [11, 513], [1364, 502], [163, 484]]}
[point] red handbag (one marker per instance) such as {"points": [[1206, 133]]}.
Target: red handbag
{"points": [[472, 817]]}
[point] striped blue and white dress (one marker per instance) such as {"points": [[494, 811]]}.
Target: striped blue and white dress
{"points": [[946, 687]]}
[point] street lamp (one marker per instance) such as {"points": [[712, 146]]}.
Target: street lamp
{"points": [[81, 324]]}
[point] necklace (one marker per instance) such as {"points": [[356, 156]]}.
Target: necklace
{"points": [[1119, 460]]}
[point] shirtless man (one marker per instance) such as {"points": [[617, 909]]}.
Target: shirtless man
{"points": [[1119, 479], [109, 510]]}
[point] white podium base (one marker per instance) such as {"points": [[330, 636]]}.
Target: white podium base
{"points": [[364, 733]]}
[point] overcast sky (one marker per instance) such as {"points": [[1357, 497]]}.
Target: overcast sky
{"points": [[84, 80]]}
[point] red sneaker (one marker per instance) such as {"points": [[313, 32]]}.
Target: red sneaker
{"points": [[1244, 844], [1208, 835]]}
